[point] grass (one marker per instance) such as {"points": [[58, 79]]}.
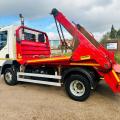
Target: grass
{"points": [[117, 58]]}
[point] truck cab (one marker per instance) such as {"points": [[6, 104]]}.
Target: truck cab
{"points": [[7, 44]]}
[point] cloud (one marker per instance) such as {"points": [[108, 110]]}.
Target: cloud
{"points": [[95, 15], [51, 26], [98, 35], [55, 36]]}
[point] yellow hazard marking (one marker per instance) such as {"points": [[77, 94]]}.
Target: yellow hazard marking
{"points": [[117, 78], [86, 57], [48, 59], [85, 64], [7, 59], [19, 56]]}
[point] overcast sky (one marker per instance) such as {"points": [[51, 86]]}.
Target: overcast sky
{"points": [[95, 15]]}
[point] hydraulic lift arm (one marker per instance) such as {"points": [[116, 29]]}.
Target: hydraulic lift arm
{"points": [[82, 45], [88, 49]]}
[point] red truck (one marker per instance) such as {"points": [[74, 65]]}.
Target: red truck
{"points": [[25, 55]]}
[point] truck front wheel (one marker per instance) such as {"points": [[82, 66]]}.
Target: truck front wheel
{"points": [[78, 87], [10, 76]]}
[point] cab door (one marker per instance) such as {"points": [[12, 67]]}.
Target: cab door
{"points": [[4, 49]]}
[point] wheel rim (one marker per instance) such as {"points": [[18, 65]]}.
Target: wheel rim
{"points": [[77, 88], [8, 76]]}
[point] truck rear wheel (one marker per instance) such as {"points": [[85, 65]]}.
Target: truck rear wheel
{"points": [[78, 87], [10, 76]]}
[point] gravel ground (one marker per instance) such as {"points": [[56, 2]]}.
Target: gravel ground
{"points": [[38, 102]]}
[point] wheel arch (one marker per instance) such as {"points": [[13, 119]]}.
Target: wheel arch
{"points": [[8, 64], [79, 70]]}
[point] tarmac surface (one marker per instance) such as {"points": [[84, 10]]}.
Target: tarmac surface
{"points": [[39, 102]]}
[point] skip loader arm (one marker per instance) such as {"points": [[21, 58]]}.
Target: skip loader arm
{"points": [[88, 49]]}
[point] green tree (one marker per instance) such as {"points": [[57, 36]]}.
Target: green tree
{"points": [[113, 32], [105, 37], [118, 34]]}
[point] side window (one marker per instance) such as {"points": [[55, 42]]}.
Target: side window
{"points": [[3, 39], [41, 38]]}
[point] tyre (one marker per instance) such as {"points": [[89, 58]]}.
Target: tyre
{"points": [[78, 87], [10, 76]]}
